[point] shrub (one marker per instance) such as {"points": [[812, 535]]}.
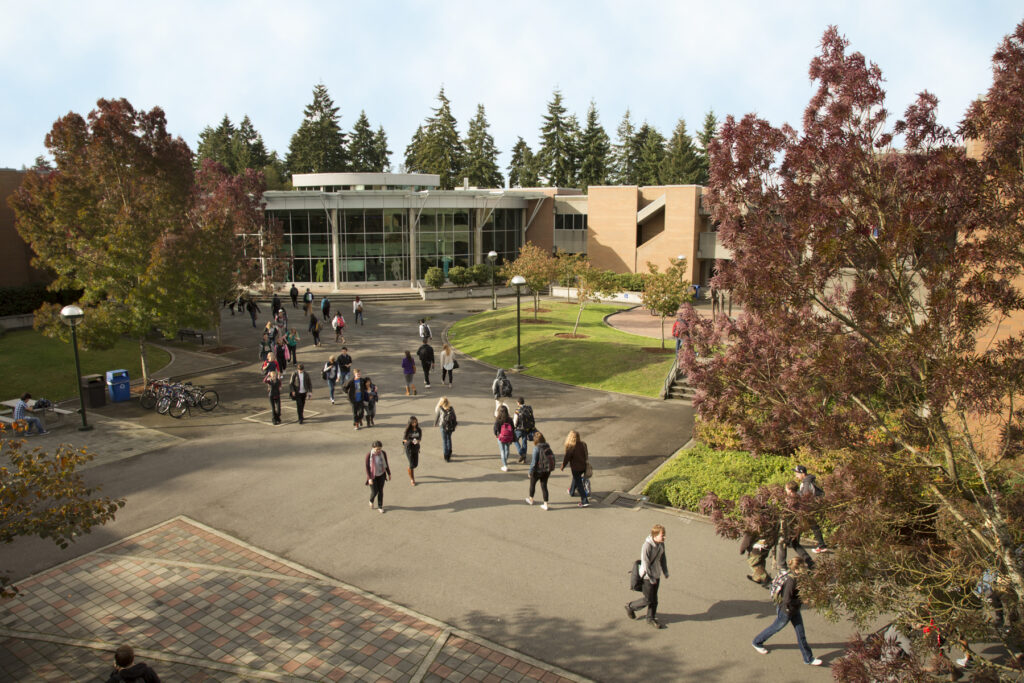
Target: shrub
{"points": [[459, 276], [481, 274], [717, 434], [730, 474], [630, 282], [434, 277]]}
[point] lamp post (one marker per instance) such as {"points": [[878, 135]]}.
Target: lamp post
{"points": [[73, 316], [518, 281], [492, 256]]}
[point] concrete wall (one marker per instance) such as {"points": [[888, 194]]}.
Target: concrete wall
{"points": [[16, 256]]}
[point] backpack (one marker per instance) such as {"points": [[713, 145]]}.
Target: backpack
{"points": [[775, 590], [505, 434], [546, 461], [526, 423], [42, 403], [448, 421], [505, 387]]}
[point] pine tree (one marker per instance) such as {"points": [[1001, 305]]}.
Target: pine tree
{"points": [[382, 155], [215, 144], [574, 151], [595, 151], [247, 148], [522, 169], [626, 153], [481, 165], [440, 148], [414, 152], [708, 133], [652, 155], [682, 161], [319, 144], [555, 157], [362, 146]]}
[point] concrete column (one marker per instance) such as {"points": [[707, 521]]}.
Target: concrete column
{"points": [[413, 261], [335, 233], [478, 236]]}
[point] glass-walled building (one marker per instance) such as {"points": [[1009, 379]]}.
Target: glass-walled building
{"points": [[379, 227]]}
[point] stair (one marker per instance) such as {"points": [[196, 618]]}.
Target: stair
{"points": [[680, 390]]}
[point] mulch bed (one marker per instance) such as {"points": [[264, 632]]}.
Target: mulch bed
{"points": [[570, 335]]}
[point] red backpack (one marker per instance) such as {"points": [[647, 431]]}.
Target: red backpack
{"points": [[505, 434]]}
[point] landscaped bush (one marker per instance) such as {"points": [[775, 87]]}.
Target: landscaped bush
{"points": [[630, 282], [27, 298], [434, 277], [459, 276], [717, 434], [730, 474], [481, 274]]}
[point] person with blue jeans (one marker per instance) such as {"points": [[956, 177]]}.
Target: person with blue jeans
{"points": [[788, 612], [444, 417], [19, 414], [505, 433], [576, 457], [525, 427]]}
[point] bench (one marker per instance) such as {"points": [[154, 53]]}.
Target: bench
{"points": [[8, 417], [192, 333]]}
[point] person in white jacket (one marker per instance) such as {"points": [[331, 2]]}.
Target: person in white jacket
{"points": [[653, 566]]}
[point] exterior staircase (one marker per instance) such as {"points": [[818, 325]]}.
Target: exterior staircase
{"points": [[676, 387]]}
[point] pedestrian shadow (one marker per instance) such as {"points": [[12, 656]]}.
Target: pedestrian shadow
{"points": [[462, 505], [723, 609]]}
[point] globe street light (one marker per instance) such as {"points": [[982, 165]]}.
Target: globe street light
{"points": [[518, 281], [492, 256], [73, 316]]}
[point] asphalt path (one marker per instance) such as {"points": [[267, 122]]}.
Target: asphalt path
{"points": [[462, 546]]}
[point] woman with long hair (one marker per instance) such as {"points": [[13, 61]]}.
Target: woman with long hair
{"points": [[409, 372], [576, 457], [291, 339], [447, 365], [540, 468], [411, 440], [377, 471], [444, 417], [273, 382], [504, 432]]}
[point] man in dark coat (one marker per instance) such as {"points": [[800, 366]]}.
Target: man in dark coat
{"points": [[126, 671], [426, 356], [301, 389], [294, 294]]}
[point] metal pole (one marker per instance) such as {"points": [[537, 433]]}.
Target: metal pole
{"points": [[494, 301], [519, 360], [78, 374]]}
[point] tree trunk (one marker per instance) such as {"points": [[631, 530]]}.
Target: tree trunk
{"points": [[662, 332], [579, 313], [142, 358], [536, 304]]}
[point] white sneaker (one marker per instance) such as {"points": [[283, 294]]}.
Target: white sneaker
{"points": [[762, 650], [815, 662], [504, 469], [529, 501], [380, 510], [544, 506]]}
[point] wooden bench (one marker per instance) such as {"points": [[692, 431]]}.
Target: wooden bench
{"points": [[8, 417], [192, 333]]}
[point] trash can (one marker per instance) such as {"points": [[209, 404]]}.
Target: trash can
{"points": [[119, 386], [94, 391]]}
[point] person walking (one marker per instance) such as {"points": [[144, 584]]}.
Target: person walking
{"points": [[501, 388], [787, 610], [424, 330], [444, 417], [653, 567], [325, 308], [809, 488], [357, 311], [525, 426], [426, 355], [339, 327], [504, 432], [275, 305], [789, 534], [344, 364], [411, 440], [372, 396], [448, 365], [409, 372], [266, 346], [270, 363], [377, 471], [354, 387], [540, 468], [281, 352], [291, 340], [314, 329], [577, 457], [253, 310], [126, 670], [294, 294], [307, 302], [331, 373], [273, 382], [300, 389], [20, 410]]}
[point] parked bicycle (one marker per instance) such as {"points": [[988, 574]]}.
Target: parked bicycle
{"points": [[177, 399]]}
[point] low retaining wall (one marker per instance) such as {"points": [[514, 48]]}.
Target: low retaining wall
{"points": [[17, 322]]}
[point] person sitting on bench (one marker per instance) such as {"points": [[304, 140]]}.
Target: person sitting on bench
{"points": [[21, 409]]}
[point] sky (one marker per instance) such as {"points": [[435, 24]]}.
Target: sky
{"points": [[661, 59]]}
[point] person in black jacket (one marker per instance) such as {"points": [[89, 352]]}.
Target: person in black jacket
{"points": [[300, 390], [126, 671], [426, 356], [294, 294], [357, 396], [788, 611]]}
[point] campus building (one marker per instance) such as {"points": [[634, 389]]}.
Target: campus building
{"points": [[352, 229]]}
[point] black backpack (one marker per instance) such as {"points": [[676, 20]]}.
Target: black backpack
{"points": [[448, 420], [505, 387], [546, 459], [526, 423]]}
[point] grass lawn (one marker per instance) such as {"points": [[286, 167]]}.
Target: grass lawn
{"points": [[46, 367], [604, 358]]}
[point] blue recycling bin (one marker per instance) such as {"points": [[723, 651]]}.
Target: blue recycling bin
{"points": [[119, 385]]}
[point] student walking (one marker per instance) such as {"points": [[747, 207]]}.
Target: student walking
{"points": [[314, 329], [424, 330], [504, 432], [653, 567], [448, 365], [786, 595], [353, 386], [372, 396], [331, 374], [540, 468], [127, 670], [789, 536], [501, 388], [300, 390], [444, 417], [357, 311], [325, 308], [339, 327], [809, 488], [273, 382], [377, 471], [294, 294], [426, 355], [344, 364], [411, 440], [409, 372], [307, 302], [525, 426], [577, 457], [292, 339], [253, 310]]}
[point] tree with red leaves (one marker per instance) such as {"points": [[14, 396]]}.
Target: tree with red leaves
{"points": [[874, 281]]}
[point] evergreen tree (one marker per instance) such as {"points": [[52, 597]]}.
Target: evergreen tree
{"points": [[595, 151], [481, 166], [440, 148], [319, 144], [708, 133], [682, 160], [555, 158], [574, 152], [626, 153], [216, 144], [414, 152], [274, 173], [247, 148], [522, 169], [362, 146], [652, 155], [382, 155]]}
